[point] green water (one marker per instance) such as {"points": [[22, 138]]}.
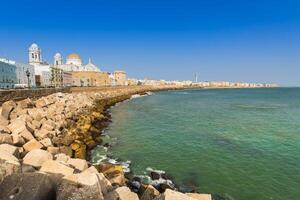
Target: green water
{"points": [[241, 143]]}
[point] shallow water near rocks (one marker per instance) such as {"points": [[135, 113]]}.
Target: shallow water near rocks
{"points": [[241, 143]]}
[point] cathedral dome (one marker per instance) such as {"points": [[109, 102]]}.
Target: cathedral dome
{"points": [[74, 56], [91, 67], [74, 59]]}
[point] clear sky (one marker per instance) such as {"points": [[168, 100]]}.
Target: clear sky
{"points": [[250, 40]]}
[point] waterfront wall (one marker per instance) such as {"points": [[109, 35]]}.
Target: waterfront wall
{"points": [[6, 95]]}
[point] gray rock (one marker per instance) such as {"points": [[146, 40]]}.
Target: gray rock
{"points": [[31, 186], [71, 190]]}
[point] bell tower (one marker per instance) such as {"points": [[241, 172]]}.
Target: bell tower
{"points": [[34, 54], [58, 59]]}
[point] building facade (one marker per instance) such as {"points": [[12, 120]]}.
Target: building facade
{"points": [[67, 79], [120, 78], [90, 79], [56, 77], [8, 77], [25, 73]]}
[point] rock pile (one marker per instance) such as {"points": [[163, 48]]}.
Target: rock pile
{"points": [[44, 144]]}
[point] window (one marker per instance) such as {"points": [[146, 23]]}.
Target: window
{"points": [[32, 55]]}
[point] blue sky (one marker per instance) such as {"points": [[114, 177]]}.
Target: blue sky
{"points": [[251, 41]]}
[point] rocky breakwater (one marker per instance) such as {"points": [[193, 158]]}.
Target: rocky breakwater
{"points": [[44, 145]]}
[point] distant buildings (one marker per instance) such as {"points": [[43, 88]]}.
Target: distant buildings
{"points": [[71, 73]]}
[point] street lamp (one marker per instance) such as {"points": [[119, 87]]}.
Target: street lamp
{"points": [[28, 75]]}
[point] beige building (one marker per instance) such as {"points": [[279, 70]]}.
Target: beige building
{"points": [[56, 77], [119, 78], [90, 79]]}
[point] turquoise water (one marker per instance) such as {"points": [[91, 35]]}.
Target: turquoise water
{"points": [[241, 143]]}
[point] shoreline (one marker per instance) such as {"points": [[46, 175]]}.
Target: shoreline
{"points": [[48, 143]]}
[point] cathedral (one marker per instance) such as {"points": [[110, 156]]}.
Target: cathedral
{"points": [[73, 62], [73, 70]]}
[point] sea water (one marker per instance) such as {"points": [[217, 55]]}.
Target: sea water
{"points": [[243, 144]]}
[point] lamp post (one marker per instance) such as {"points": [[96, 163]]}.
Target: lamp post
{"points": [[28, 75]]}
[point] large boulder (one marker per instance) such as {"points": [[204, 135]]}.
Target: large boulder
{"points": [[42, 133], [26, 103], [4, 129], [31, 186], [37, 114], [18, 140], [3, 120], [46, 142], [32, 144], [5, 138], [53, 150], [42, 102], [121, 193], [37, 157], [27, 135], [173, 195], [17, 126], [80, 187], [150, 193], [7, 107], [114, 173], [54, 167], [9, 164], [197, 196], [104, 182], [13, 150], [77, 163]]}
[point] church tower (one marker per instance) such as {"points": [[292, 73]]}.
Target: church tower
{"points": [[58, 59], [35, 54]]}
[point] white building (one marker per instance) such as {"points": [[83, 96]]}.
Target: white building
{"points": [[8, 77], [41, 69], [21, 73]]}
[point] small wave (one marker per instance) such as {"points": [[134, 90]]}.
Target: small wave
{"points": [[149, 169]]}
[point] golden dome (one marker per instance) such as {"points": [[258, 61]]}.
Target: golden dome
{"points": [[74, 56]]}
